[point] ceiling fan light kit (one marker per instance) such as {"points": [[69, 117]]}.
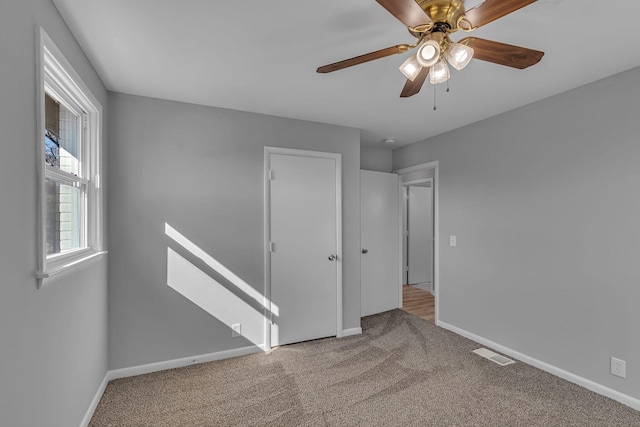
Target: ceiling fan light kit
{"points": [[411, 68], [459, 55], [439, 73], [428, 53], [432, 22]]}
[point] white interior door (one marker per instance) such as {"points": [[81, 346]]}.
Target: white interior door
{"points": [[304, 219], [420, 235], [379, 226]]}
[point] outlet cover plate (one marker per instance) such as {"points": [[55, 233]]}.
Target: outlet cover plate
{"points": [[618, 367], [236, 330]]}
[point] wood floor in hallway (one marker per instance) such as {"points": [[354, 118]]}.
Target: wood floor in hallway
{"points": [[418, 302]]}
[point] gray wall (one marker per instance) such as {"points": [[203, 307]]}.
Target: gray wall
{"points": [[200, 170], [544, 201], [376, 159], [53, 342]]}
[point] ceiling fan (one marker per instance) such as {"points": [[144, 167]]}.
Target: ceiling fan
{"points": [[431, 22]]}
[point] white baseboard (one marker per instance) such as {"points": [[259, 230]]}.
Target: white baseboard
{"points": [[161, 366], [179, 363], [94, 402], [352, 331], [583, 382]]}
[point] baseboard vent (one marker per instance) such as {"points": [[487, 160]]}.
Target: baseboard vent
{"points": [[494, 357]]}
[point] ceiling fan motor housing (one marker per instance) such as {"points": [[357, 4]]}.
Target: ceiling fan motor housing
{"points": [[443, 11]]}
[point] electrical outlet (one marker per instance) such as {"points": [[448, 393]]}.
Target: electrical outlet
{"points": [[236, 330], [618, 367]]}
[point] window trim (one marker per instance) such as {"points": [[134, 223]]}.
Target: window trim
{"points": [[60, 94], [56, 73]]}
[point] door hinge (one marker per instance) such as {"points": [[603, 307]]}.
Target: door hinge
{"points": [[270, 174], [84, 121], [272, 247]]}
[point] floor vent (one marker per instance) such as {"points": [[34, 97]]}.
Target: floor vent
{"points": [[494, 357]]}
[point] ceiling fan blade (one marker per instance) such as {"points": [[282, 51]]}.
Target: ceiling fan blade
{"points": [[401, 48], [503, 54], [491, 10], [413, 87], [406, 11]]}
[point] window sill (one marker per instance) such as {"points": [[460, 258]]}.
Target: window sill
{"points": [[68, 265]]}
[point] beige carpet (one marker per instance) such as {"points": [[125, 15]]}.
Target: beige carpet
{"points": [[402, 371]]}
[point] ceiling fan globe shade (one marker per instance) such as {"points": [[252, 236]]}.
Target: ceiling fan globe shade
{"points": [[429, 53], [459, 55], [411, 68], [439, 73]]}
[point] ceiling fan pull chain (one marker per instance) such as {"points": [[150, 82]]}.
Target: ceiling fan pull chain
{"points": [[434, 98], [448, 85]]}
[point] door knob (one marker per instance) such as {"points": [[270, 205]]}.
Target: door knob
{"points": [[365, 251], [332, 257]]}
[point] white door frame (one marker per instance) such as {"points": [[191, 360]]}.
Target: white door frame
{"points": [[404, 186], [267, 232], [436, 222]]}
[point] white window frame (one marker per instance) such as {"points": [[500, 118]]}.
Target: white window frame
{"points": [[57, 77]]}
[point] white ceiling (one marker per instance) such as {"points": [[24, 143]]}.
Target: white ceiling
{"points": [[261, 56]]}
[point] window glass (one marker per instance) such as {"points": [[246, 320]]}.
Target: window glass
{"points": [[62, 136], [64, 209]]}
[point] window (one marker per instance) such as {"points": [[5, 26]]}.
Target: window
{"points": [[68, 161]]}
